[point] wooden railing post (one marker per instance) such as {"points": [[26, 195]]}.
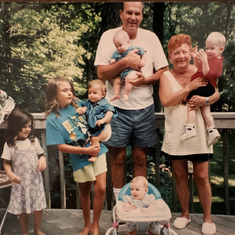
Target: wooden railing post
{"points": [[78, 204], [226, 173], [174, 195], [157, 163], [109, 188], [62, 181], [191, 186], [46, 171]]}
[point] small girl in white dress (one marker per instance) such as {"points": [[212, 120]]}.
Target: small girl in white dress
{"points": [[23, 162]]}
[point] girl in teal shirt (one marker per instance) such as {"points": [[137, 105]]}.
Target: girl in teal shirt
{"points": [[68, 130]]}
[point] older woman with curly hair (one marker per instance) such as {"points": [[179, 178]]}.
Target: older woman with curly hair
{"points": [[175, 86]]}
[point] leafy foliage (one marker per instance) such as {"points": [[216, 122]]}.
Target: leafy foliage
{"points": [[43, 40]]}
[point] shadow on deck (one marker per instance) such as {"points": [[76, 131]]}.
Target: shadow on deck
{"points": [[70, 222]]}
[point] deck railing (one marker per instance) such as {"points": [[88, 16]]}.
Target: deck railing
{"points": [[223, 120]]}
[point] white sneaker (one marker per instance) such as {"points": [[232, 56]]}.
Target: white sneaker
{"points": [[213, 136], [189, 132]]}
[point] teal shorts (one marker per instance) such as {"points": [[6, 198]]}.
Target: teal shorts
{"points": [[134, 127]]}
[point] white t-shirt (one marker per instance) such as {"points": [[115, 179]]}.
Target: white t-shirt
{"points": [[140, 97], [21, 145]]}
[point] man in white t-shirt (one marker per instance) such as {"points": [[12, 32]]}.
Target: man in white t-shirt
{"points": [[135, 123]]}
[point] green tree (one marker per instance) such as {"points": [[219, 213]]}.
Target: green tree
{"points": [[41, 40]]}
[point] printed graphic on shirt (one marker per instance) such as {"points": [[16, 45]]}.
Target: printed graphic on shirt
{"points": [[77, 128]]}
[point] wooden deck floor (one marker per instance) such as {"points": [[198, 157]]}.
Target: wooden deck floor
{"points": [[70, 222]]}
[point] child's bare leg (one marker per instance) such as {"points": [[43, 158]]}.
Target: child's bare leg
{"points": [[85, 190], [128, 85], [103, 136], [24, 223], [213, 133], [100, 187], [191, 116], [116, 88], [206, 113], [94, 141], [37, 217], [189, 128]]}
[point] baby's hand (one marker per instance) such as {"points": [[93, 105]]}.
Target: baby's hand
{"points": [[194, 51], [81, 110], [112, 61], [201, 55], [142, 64], [132, 206], [93, 150], [42, 163], [99, 122], [128, 206]]}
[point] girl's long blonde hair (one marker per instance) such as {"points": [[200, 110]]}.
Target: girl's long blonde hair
{"points": [[52, 88]]}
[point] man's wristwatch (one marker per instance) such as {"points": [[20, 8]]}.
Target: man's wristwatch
{"points": [[207, 101]]}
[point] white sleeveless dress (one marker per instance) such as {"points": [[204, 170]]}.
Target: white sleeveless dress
{"points": [[175, 119]]}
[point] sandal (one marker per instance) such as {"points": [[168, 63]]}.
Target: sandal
{"points": [[208, 228]]}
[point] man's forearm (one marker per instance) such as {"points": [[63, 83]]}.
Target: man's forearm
{"points": [[107, 72]]}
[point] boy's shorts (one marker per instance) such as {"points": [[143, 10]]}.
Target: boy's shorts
{"points": [[89, 172], [205, 91], [135, 127]]}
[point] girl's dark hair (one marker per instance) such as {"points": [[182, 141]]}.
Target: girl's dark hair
{"points": [[51, 95], [16, 120]]}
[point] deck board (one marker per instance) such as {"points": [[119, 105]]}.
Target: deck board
{"points": [[70, 222]]}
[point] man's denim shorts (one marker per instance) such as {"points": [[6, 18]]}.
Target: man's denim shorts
{"points": [[135, 127]]}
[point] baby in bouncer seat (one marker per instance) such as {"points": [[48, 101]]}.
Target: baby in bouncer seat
{"points": [[143, 201]]}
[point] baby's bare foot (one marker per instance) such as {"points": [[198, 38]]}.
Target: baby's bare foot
{"points": [[115, 97], [125, 97]]}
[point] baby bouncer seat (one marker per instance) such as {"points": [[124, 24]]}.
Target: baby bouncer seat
{"points": [[162, 214]]}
